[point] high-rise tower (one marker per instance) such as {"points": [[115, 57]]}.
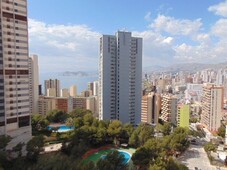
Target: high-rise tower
{"points": [[54, 86], [14, 72], [34, 83], [212, 105], [120, 78]]}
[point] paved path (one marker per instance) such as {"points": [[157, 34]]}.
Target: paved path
{"points": [[196, 156]]}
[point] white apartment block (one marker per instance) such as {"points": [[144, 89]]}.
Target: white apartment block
{"points": [[212, 105], [73, 91], [14, 72], [120, 78], [34, 83]]}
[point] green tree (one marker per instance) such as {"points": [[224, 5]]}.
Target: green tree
{"points": [[193, 120], [114, 129], [142, 157], [78, 122], [208, 147], [39, 122], [221, 131], [56, 116], [126, 132], [134, 139], [4, 140], [18, 149], [141, 134], [103, 124], [179, 140], [34, 147], [166, 128], [147, 132], [88, 119], [79, 113], [174, 165], [69, 122], [113, 161], [89, 166]]}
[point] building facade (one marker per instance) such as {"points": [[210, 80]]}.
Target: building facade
{"points": [[34, 83], [151, 108], [52, 84], [73, 91], [183, 115], [14, 72], [169, 108], [212, 105], [120, 78]]}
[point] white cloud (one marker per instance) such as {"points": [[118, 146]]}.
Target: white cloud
{"points": [[147, 17], [157, 49], [219, 29], [168, 40], [219, 9], [75, 47], [64, 47], [175, 26]]}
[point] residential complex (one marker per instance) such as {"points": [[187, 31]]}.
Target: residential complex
{"points": [[67, 104], [169, 108], [212, 105], [150, 108], [52, 88], [34, 83], [14, 70], [120, 78]]}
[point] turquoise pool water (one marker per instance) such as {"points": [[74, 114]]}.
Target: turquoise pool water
{"points": [[127, 156], [62, 128]]}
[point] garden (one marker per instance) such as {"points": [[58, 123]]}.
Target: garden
{"points": [[97, 144]]}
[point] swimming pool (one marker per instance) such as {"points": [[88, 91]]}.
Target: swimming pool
{"points": [[62, 128], [126, 155]]}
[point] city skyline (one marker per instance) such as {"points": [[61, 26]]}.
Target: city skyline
{"points": [[171, 32]]}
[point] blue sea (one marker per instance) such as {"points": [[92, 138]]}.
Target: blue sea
{"points": [[68, 80]]}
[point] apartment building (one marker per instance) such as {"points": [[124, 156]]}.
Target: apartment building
{"points": [[120, 78], [169, 108], [150, 108], [34, 83], [212, 105], [53, 84], [183, 115], [14, 72]]}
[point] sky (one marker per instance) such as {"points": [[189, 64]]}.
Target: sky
{"points": [[65, 34]]}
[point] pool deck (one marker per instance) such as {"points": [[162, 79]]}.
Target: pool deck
{"points": [[57, 124], [52, 148]]}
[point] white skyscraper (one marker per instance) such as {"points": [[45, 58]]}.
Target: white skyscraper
{"points": [[34, 83], [120, 78]]}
